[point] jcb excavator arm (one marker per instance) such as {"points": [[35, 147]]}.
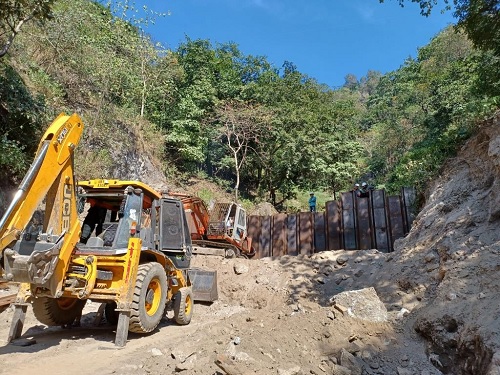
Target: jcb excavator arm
{"points": [[49, 177]]}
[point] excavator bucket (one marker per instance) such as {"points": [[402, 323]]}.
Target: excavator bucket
{"points": [[204, 284]]}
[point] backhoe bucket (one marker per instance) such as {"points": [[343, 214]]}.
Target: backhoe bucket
{"points": [[204, 284]]}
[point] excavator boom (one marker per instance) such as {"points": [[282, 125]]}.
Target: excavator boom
{"points": [[51, 169]]}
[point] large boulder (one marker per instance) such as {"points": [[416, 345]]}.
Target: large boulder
{"points": [[363, 304]]}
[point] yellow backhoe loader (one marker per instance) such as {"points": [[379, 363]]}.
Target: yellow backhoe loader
{"points": [[132, 253]]}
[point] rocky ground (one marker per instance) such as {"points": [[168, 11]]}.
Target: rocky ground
{"points": [[430, 307], [273, 316]]}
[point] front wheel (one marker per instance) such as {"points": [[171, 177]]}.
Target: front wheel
{"points": [[57, 311], [150, 295], [183, 306]]}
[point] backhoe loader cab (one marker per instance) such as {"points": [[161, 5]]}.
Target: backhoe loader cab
{"points": [[162, 255]]}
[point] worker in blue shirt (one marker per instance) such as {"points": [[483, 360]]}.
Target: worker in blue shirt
{"points": [[312, 202]]}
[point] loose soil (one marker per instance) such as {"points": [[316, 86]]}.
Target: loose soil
{"points": [[440, 289]]}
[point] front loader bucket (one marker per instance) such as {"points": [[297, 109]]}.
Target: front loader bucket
{"points": [[204, 284]]}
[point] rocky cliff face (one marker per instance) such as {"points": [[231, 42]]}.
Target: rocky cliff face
{"points": [[449, 264], [118, 150]]}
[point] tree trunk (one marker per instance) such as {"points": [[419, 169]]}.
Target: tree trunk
{"points": [[237, 170]]}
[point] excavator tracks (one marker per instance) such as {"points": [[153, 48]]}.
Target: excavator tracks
{"points": [[217, 248]]}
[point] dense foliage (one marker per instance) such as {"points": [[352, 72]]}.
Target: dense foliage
{"points": [[15, 13], [212, 111]]}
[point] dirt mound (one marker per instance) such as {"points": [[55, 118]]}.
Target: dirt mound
{"points": [[451, 260], [263, 209], [273, 316]]}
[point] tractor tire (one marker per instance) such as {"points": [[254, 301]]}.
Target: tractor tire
{"points": [[183, 306], [110, 314], [150, 296], [57, 311]]}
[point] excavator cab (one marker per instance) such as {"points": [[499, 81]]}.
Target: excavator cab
{"points": [[135, 211], [228, 223], [227, 219], [113, 216], [221, 231]]}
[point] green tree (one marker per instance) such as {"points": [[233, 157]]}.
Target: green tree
{"points": [[15, 13], [479, 19], [241, 126], [209, 75], [21, 121], [420, 114], [311, 139]]}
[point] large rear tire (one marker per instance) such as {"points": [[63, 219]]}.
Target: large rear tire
{"points": [[57, 311], [150, 295], [183, 306]]}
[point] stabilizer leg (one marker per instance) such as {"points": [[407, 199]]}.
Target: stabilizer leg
{"points": [[16, 327], [122, 328]]}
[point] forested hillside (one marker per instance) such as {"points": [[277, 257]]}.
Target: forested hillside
{"points": [[211, 111]]}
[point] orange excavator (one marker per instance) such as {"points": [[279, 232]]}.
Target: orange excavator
{"points": [[222, 230]]}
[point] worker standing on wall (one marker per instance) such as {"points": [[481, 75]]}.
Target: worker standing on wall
{"points": [[363, 192], [312, 202]]}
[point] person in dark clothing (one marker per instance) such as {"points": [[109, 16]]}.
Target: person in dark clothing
{"points": [[94, 220], [312, 202], [363, 192]]}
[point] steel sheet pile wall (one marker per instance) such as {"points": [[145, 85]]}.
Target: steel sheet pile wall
{"points": [[380, 225], [306, 235], [291, 235], [363, 223], [265, 237], [352, 223], [348, 222], [279, 235], [333, 225]]}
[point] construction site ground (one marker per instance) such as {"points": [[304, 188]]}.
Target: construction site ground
{"points": [[272, 315], [430, 307]]}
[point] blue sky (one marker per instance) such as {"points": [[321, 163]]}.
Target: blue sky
{"points": [[325, 39]]}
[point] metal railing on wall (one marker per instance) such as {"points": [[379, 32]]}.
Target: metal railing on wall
{"points": [[350, 223]]}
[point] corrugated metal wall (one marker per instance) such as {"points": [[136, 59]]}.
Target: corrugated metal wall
{"points": [[350, 223]]}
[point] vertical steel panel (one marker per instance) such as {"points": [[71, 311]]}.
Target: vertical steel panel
{"points": [[333, 225], [319, 232], [363, 230], [253, 229], [409, 200], [353, 223], [305, 233], [265, 237], [348, 221], [395, 218], [380, 229], [291, 235], [279, 235]]}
